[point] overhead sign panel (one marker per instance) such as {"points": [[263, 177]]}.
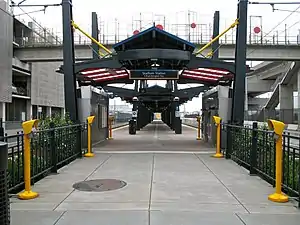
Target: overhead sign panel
{"points": [[154, 74]]}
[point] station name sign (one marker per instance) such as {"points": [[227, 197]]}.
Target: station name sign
{"points": [[154, 74]]}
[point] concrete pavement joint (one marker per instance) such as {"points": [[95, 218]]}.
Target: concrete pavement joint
{"points": [[84, 180], [240, 219], [223, 184], [151, 184], [155, 133], [154, 152], [59, 217], [101, 164]]}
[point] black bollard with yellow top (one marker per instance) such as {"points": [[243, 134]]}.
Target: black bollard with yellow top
{"points": [[90, 120], [277, 127], [29, 128], [217, 121], [199, 127]]}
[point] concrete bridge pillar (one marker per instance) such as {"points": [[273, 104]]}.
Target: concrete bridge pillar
{"points": [[286, 100]]}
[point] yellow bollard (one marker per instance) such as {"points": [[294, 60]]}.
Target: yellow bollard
{"points": [[277, 127], [90, 120], [198, 131], [28, 130], [110, 120], [217, 121]]}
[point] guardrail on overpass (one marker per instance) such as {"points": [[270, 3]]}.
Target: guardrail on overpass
{"points": [[226, 52], [79, 39]]}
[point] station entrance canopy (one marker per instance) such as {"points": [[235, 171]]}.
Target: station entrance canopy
{"points": [[154, 54]]}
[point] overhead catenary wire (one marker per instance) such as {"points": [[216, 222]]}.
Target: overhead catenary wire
{"points": [[35, 11], [275, 27], [37, 23]]}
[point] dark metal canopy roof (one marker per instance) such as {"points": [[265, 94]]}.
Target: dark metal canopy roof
{"points": [[154, 38], [154, 47], [156, 97]]}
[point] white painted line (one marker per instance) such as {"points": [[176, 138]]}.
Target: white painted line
{"points": [[119, 128], [156, 152], [194, 128], [155, 133]]}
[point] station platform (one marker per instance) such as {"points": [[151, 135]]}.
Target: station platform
{"points": [[168, 178]]}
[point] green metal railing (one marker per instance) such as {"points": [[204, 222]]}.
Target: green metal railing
{"points": [[51, 149], [254, 149]]}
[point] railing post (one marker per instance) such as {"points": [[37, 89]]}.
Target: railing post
{"points": [[277, 128], [299, 185], [28, 127], [90, 120], [1, 130], [79, 139], [253, 153], [199, 127], [4, 200], [229, 143], [53, 148], [217, 121]]}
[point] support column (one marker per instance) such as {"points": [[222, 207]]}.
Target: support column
{"points": [[136, 85], [133, 121], [177, 120], [48, 112], [68, 61], [28, 110], [175, 85], [95, 35], [139, 118], [286, 99], [215, 46], [2, 110], [224, 103], [2, 119], [168, 116], [238, 100], [298, 99]]}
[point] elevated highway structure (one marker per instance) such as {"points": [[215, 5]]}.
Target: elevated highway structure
{"points": [[46, 53]]}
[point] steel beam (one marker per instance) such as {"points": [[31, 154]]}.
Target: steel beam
{"points": [[68, 62], [111, 63], [238, 105], [197, 62], [216, 30], [154, 53], [95, 47]]}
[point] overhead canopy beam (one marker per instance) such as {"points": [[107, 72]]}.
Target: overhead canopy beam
{"points": [[197, 62], [136, 54], [110, 63]]}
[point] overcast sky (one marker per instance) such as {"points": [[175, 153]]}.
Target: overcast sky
{"points": [[123, 16]]}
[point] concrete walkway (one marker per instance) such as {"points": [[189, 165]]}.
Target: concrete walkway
{"points": [[171, 179]]}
